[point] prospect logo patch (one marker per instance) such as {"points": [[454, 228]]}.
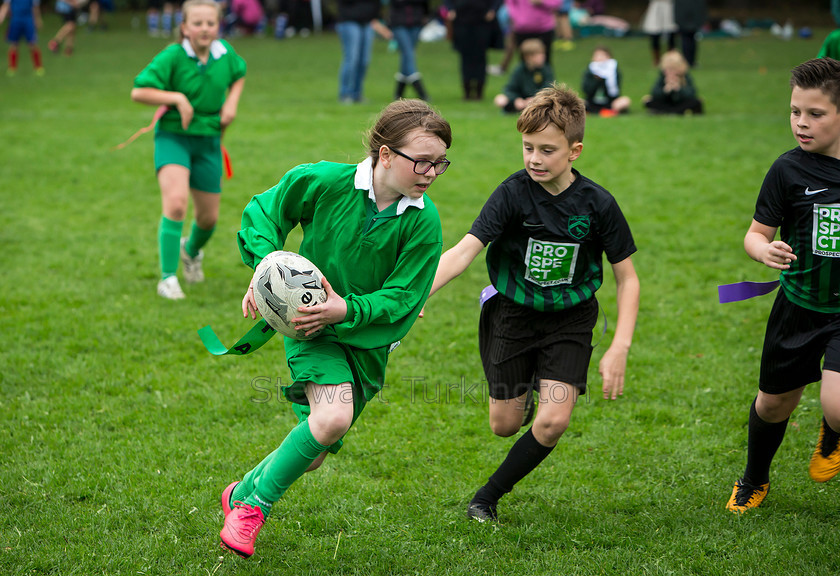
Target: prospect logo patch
{"points": [[550, 263], [826, 236]]}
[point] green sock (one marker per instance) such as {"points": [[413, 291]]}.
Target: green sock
{"points": [[267, 483], [169, 243], [198, 238]]}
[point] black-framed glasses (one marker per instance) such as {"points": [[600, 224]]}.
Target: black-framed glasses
{"points": [[423, 166]]}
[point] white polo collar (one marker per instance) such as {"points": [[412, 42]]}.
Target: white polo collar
{"points": [[364, 181], [217, 49]]}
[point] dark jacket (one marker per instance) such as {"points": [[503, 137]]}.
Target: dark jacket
{"points": [[361, 11], [408, 13], [690, 15]]}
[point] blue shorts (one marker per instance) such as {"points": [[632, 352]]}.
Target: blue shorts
{"points": [[21, 28]]}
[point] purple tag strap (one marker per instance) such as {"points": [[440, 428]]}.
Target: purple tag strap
{"points": [[486, 294], [744, 290]]}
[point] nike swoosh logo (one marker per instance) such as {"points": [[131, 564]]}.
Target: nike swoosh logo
{"points": [[809, 192]]}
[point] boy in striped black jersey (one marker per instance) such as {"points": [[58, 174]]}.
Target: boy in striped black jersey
{"points": [[801, 196], [547, 228]]}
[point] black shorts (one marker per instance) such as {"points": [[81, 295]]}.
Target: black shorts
{"points": [[520, 346], [795, 342]]}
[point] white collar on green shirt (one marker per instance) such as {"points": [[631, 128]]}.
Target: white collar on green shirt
{"points": [[364, 181], [217, 49]]}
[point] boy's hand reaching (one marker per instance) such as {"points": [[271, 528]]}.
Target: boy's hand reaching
{"points": [[779, 255], [612, 368]]}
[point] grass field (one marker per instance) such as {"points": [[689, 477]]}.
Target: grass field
{"points": [[118, 430]]}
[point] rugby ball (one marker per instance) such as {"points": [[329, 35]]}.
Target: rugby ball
{"points": [[284, 281]]}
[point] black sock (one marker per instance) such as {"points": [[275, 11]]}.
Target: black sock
{"points": [[829, 440], [525, 455], [763, 440]]}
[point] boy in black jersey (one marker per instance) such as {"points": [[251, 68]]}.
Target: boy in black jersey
{"points": [[547, 228], [800, 194]]}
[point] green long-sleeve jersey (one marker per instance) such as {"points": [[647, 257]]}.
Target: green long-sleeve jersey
{"points": [[176, 68], [382, 263]]}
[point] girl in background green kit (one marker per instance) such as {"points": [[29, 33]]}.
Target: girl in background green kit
{"points": [[200, 81]]}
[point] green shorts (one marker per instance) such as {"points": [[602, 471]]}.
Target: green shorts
{"points": [[328, 362], [202, 155]]}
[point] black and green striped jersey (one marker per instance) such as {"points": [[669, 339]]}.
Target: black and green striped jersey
{"points": [[546, 251], [801, 196]]}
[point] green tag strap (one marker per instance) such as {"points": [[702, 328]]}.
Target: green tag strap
{"points": [[254, 339]]}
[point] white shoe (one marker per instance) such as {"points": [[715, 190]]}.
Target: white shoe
{"points": [[192, 266], [495, 70], [169, 288]]}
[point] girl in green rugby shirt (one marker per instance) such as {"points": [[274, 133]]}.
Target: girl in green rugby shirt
{"points": [[376, 236], [199, 81]]}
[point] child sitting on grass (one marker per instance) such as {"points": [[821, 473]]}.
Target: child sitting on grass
{"points": [[674, 91], [602, 85], [528, 78]]}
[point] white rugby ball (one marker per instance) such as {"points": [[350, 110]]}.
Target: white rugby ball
{"points": [[284, 281]]}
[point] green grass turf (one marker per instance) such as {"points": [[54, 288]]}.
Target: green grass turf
{"points": [[118, 431]]}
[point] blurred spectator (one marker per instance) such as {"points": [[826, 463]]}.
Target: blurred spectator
{"points": [[535, 19], [595, 7], [472, 26], [159, 18], [531, 19], [406, 20], [355, 27], [299, 18], [95, 19], [246, 16], [608, 25], [565, 34], [24, 21], [690, 16], [66, 35], [658, 21]]}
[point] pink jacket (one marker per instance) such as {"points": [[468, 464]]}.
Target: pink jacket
{"points": [[529, 18], [249, 11]]}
